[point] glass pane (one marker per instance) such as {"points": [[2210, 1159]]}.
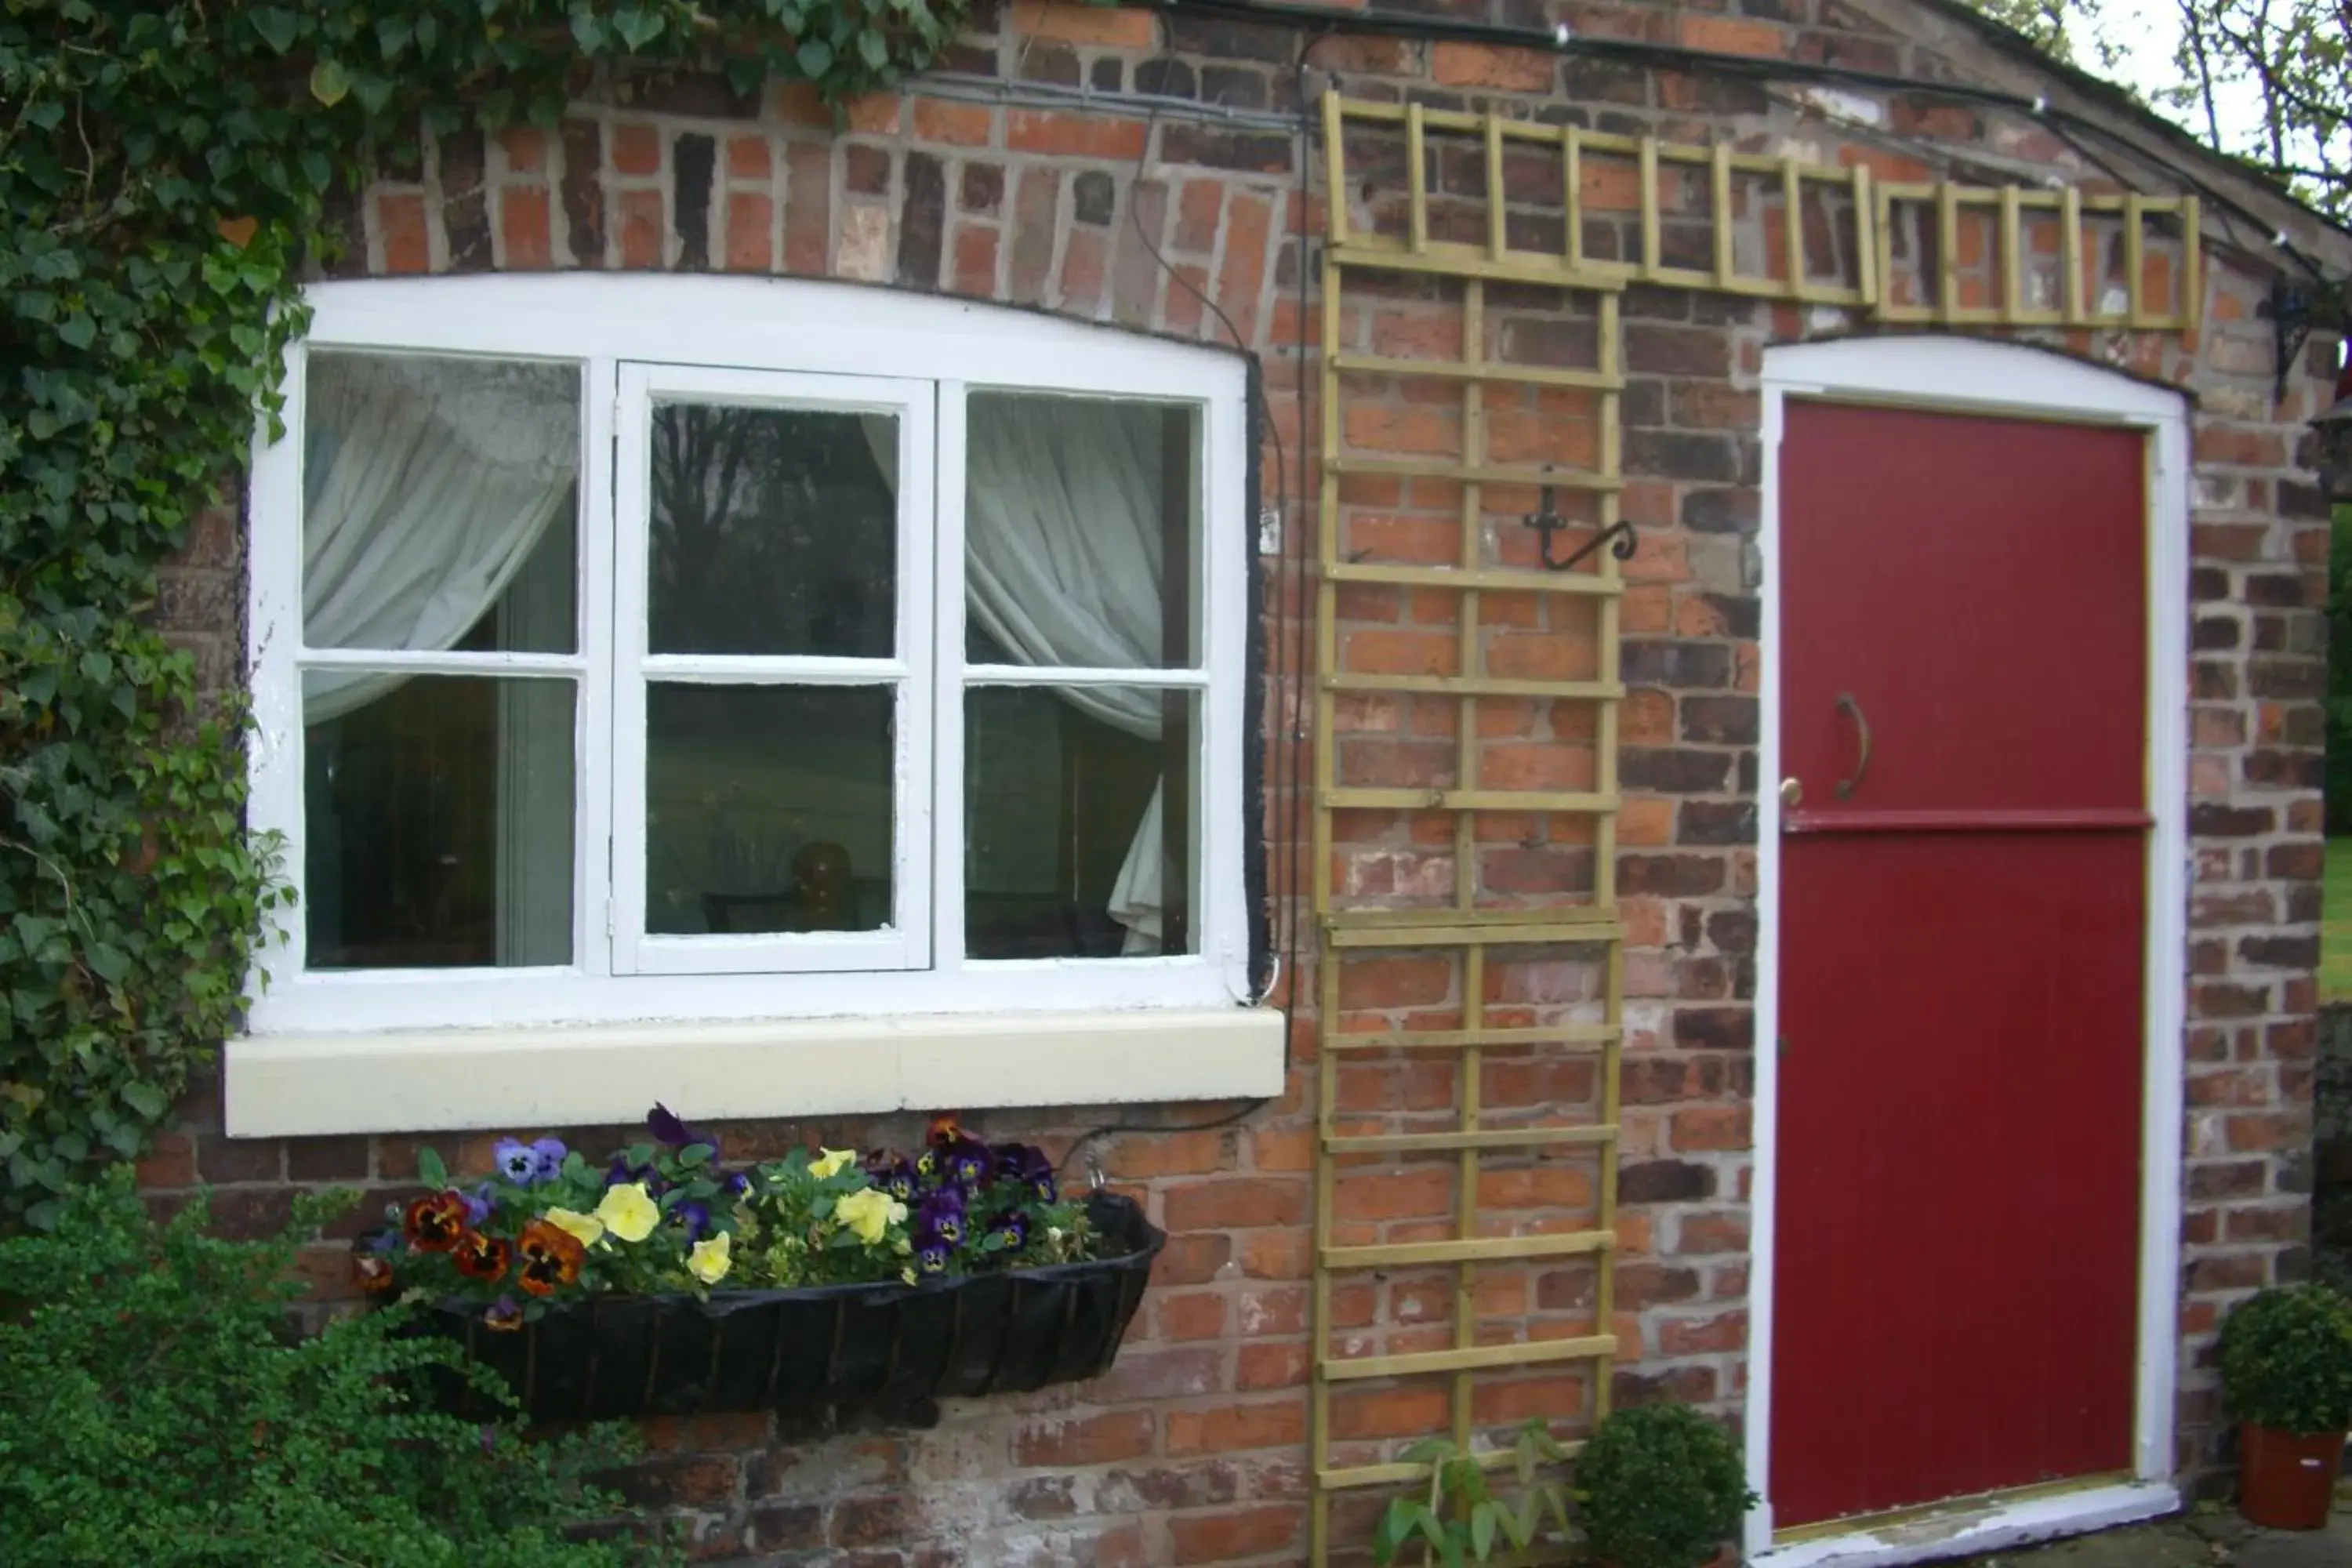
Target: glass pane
{"points": [[767, 808], [774, 531], [437, 817], [440, 503], [1080, 821], [1081, 534]]}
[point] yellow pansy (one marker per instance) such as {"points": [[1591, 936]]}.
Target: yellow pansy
{"points": [[830, 1162], [709, 1262], [629, 1212], [870, 1213], [584, 1228]]}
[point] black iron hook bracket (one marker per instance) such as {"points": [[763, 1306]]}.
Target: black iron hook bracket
{"points": [[1618, 536]]}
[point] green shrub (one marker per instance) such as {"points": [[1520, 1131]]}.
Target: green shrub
{"points": [[157, 1409], [1660, 1485], [1459, 1517], [2286, 1360]]}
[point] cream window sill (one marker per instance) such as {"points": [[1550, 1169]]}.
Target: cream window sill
{"points": [[445, 1080]]}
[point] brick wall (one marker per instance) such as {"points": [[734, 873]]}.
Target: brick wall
{"points": [[1192, 1449]]}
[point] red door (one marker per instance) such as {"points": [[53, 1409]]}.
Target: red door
{"points": [[1962, 917]]}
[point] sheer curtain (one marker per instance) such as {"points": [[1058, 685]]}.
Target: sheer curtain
{"points": [[1063, 566], [429, 486]]}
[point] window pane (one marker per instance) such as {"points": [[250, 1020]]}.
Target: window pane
{"points": [[1081, 532], [774, 531], [440, 504], [768, 808], [438, 821], [1078, 821]]}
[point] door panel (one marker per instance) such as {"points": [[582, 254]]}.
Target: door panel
{"points": [[1961, 957]]}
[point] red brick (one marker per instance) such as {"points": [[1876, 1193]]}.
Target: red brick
{"points": [[1234, 1202], [1117, 28], [1230, 1534], [1074, 135], [1476, 65], [1065, 1441], [751, 248], [1230, 1428], [747, 158], [808, 217], [975, 260], [955, 124], [1200, 1315], [636, 150], [400, 217], [523, 217], [643, 228], [1278, 1365]]}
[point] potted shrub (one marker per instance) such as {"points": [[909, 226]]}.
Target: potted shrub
{"points": [[2286, 1377], [1660, 1485], [663, 1282]]}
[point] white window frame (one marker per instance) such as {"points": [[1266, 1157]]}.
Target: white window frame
{"points": [[351, 1050]]}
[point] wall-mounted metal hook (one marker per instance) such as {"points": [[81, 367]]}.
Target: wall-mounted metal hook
{"points": [[1618, 536]]}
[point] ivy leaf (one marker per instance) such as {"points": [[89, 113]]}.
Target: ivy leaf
{"points": [[814, 59], [637, 27], [277, 28], [146, 1099], [393, 34], [110, 962], [329, 83], [874, 48], [80, 331]]}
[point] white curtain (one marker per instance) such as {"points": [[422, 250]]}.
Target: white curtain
{"points": [[428, 488], [427, 483], [1063, 566]]}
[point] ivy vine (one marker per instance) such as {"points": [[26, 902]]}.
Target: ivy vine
{"points": [[167, 175]]}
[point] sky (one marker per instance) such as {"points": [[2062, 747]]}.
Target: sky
{"points": [[2149, 30]]}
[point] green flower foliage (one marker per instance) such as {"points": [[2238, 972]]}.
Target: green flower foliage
{"points": [[2286, 1360], [155, 1410], [1462, 1517], [166, 173], [1660, 1485]]}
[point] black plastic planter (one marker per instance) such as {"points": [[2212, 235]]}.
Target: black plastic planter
{"points": [[835, 1351]]}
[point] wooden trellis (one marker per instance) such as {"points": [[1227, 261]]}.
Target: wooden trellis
{"points": [[1514, 204]]}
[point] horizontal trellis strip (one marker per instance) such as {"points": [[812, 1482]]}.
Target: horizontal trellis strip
{"points": [[1483, 370], [1475, 686], [1483, 1138], [1450, 258], [1474, 473], [1413, 1363], [1459, 1039], [1343, 1478], [1501, 916], [1467, 936], [1574, 801], [1469, 1249], [1494, 582]]}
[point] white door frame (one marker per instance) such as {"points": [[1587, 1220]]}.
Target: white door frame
{"points": [[1965, 375]]}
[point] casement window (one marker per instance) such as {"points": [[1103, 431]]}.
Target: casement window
{"points": [[705, 660]]}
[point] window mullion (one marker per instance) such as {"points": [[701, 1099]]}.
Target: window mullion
{"points": [[602, 757], [947, 675]]}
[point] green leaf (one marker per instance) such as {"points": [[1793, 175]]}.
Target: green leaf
{"points": [[637, 26], [277, 28], [146, 1099], [814, 58], [430, 1170], [80, 331], [1481, 1531], [329, 83]]}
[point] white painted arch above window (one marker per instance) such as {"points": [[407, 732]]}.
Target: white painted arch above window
{"points": [[614, 760]]}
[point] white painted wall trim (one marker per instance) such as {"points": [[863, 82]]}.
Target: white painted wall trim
{"points": [[1966, 375], [440, 1080]]}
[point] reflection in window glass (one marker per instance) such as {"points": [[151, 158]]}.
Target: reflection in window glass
{"points": [[768, 808], [1080, 821], [440, 504], [438, 822], [774, 531], [1081, 532]]}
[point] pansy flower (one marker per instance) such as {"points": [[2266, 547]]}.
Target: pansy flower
{"points": [[931, 1259], [1010, 1229], [477, 1205], [943, 1131], [371, 1271], [528, 1164], [432, 1222], [692, 1217], [621, 1173], [504, 1315], [1027, 1166], [892, 1173], [940, 1219], [479, 1256], [548, 1258], [629, 1212], [668, 1127], [735, 1184], [965, 1163]]}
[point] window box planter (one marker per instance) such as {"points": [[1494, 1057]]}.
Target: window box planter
{"points": [[887, 1352]]}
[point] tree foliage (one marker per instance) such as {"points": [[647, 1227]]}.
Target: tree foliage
{"points": [[166, 173]]}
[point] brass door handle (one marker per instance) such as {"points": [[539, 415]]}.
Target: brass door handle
{"points": [[1846, 704]]}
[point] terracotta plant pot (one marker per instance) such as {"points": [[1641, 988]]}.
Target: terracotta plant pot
{"points": [[2286, 1482], [887, 1351]]}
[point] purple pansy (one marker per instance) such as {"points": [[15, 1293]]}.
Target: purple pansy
{"points": [[478, 1204], [938, 1219], [735, 1184], [931, 1257], [503, 1315], [693, 1217], [528, 1164], [892, 1173], [1026, 1166], [964, 1162], [621, 1173], [1011, 1229], [668, 1127]]}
